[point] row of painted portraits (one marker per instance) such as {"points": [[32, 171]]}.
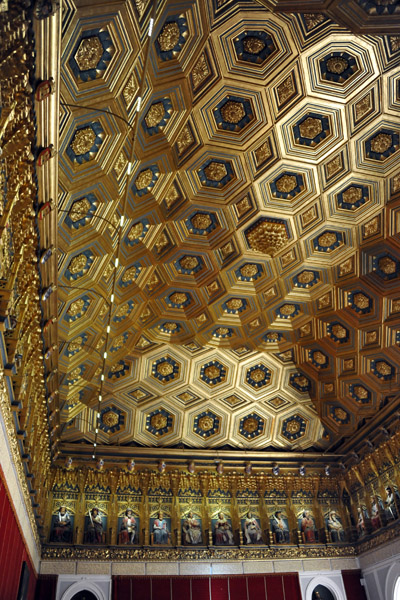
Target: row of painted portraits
{"points": [[191, 528], [381, 513]]}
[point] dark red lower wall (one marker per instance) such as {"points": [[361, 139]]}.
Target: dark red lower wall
{"points": [[12, 550], [260, 587], [46, 587], [352, 585]]}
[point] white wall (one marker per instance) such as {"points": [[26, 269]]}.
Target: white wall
{"points": [[330, 579], [17, 495], [69, 585], [245, 567], [381, 569]]}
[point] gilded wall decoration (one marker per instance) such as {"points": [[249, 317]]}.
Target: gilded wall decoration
{"points": [[25, 399], [198, 508]]}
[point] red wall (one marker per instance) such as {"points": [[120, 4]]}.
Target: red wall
{"points": [[252, 587], [46, 587], [12, 550], [352, 585]]}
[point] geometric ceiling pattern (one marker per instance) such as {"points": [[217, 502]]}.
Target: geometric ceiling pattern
{"points": [[228, 225]]}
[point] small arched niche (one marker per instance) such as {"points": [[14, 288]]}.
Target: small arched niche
{"points": [[321, 592], [84, 595]]}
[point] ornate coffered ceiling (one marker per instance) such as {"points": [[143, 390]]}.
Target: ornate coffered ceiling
{"points": [[255, 302]]}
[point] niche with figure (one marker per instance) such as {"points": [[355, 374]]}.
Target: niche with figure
{"points": [[334, 526], [279, 525], [62, 526], [191, 528], [128, 527], [95, 526], [160, 528], [321, 592], [222, 533], [251, 528], [307, 528]]}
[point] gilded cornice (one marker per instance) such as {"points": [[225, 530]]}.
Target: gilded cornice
{"points": [[9, 424], [27, 133], [379, 539], [184, 554]]}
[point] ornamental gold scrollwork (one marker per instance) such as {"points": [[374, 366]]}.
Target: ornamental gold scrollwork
{"points": [[130, 90], [76, 307], [189, 554], [206, 423], [286, 89], [144, 179], [310, 128], [293, 426], [339, 331], [21, 285], [250, 424], [286, 183], [129, 275], [319, 358], [200, 71], [334, 166], [215, 171], [383, 367], [340, 413], [267, 237], [178, 298], [394, 41], [360, 392], [381, 143], [258, 375], [201, 221], [387, 265], [212, 372], [253, 45], [83, 141], [360, 300], [77, 264], [262, 154], [158, 421], [135, 231], [185, 139], [313, 20], [171, 196], [120, 164], [233, 112], [89, 53], [337, 65], [155, 114], [165, 368], [249, 270], [169, 37], [189, 262], [327, 239], [122, 311], [76, 344], [79, 210], [110, 418], [288, 309], [352, 194]]}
